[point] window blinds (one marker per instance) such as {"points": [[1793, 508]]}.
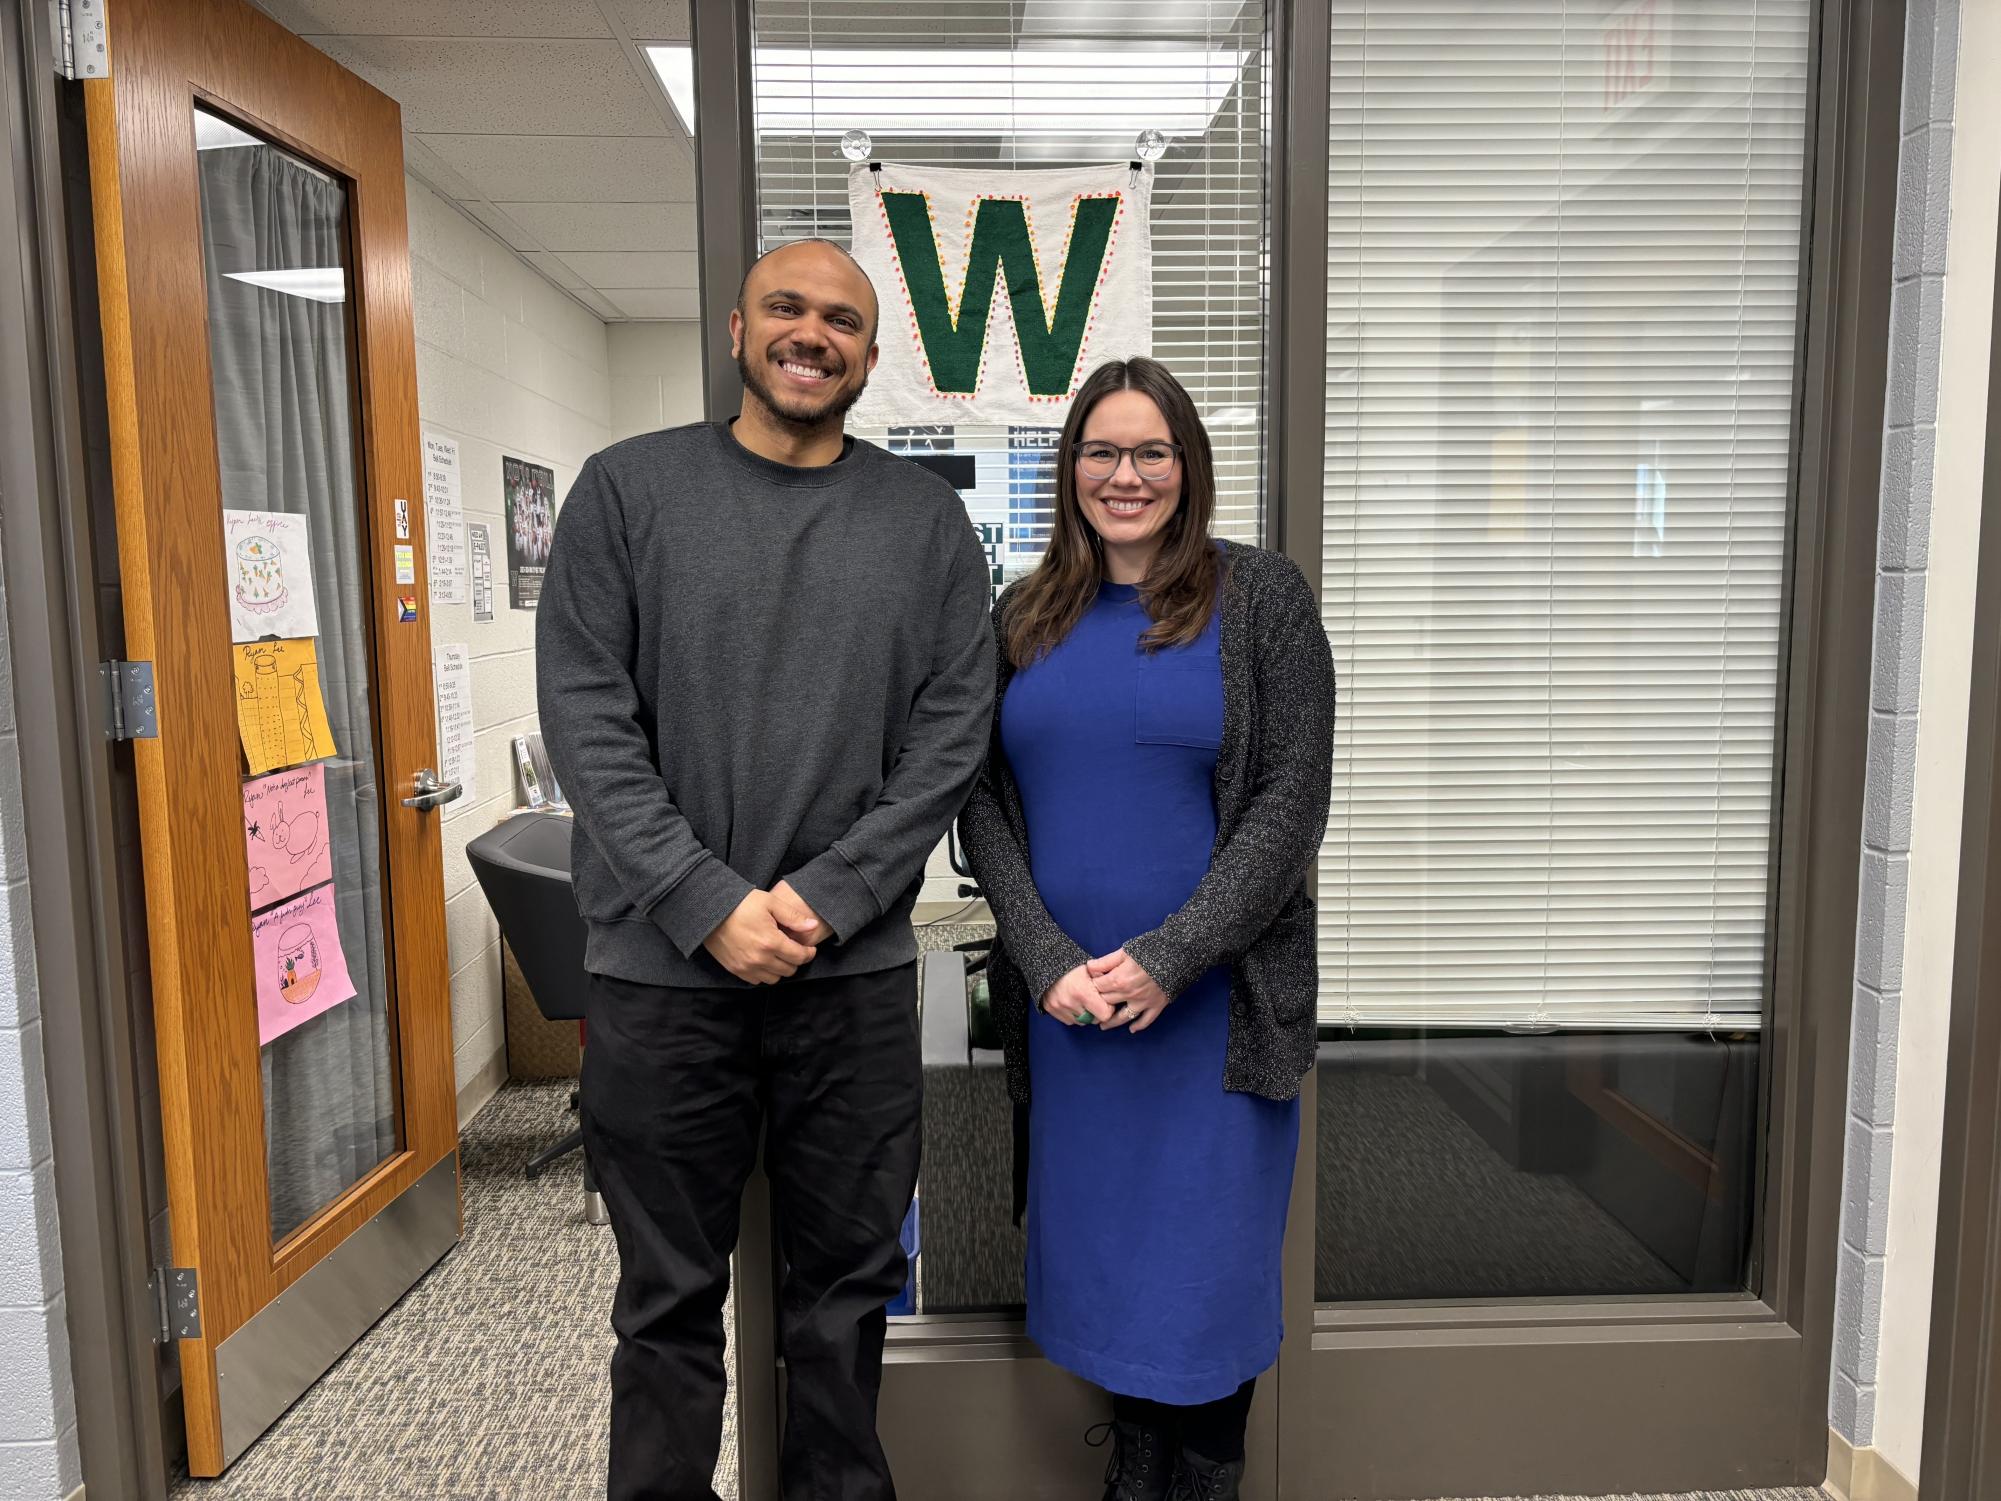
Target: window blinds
{"points": [[1047, 83], [1563, 268]]}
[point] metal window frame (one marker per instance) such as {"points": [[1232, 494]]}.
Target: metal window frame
{"points": [[1852, 146]]}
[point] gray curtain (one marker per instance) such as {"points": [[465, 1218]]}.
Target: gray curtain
{"points": [[284, 430]]}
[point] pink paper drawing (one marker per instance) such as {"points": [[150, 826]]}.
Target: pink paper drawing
{"points": [[301, 969], [285, 832]]}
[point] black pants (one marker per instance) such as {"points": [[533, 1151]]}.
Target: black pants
{"points": [[675, 1086]]}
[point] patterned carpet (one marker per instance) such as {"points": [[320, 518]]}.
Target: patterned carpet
{"points": [[489, 1381]]}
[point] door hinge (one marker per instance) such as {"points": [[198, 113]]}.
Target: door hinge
{"points": [[177, 1295], [83, 38], [128, 691]]}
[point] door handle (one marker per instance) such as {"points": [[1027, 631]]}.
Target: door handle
{"points": [[432, 793]]}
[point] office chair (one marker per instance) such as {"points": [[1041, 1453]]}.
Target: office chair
{"points": [[523, 866]]}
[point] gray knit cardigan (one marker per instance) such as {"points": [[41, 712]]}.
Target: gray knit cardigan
{"points": [[1253, 909]]}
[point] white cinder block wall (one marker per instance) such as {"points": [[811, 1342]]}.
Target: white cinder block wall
{"points": [[39, 1458], [506, 365]]}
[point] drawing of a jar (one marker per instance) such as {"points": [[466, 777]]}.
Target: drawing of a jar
{"points": [[298, 964], [260, 574]]}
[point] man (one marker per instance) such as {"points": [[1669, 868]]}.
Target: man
{"points": [[765, 682]]}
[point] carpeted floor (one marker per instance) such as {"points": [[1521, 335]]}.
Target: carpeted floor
{"points": [[488, 1382]]}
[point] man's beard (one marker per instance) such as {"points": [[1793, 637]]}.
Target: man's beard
{"points": [[836, 408]]}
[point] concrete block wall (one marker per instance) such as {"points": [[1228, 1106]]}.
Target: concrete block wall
{"points": [[506, 365], [1924, 190], [39, 1457]]}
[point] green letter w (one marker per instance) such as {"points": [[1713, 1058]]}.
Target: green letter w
{"points": [[1050, 341]]}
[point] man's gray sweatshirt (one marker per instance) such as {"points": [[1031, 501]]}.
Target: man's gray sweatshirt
{"points": [[750, 672]]}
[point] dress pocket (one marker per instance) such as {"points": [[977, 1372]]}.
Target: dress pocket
{"points": [[1178, 702]]}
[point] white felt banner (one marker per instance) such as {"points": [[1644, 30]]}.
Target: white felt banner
{"points": [[1000, 290]]}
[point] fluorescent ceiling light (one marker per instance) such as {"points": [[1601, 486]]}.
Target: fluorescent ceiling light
{"points": [[212, 133], [972, 91], [318, 283], [675, 67]]}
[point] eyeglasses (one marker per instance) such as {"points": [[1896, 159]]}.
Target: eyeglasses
{"points": [[1154, 460]]}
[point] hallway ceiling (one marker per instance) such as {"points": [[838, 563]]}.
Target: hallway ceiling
{"points": [[542, 120]]}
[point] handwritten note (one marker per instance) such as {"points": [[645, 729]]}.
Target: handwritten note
{"points": [[280, 712], [285, 831], [269, 572], [301, 968], [451, 681]]}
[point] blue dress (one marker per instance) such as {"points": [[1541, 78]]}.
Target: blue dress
{"points": [[1156, 1200]]}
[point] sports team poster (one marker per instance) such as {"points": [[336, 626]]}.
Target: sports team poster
{"points": [[531, 527], [1000, 291]]}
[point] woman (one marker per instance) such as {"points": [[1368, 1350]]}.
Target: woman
{"points": [[1155, 791]]}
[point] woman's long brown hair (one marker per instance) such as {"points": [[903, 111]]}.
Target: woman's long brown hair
{"points": [[1181, 588]]}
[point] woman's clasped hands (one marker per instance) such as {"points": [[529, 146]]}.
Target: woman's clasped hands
{"points": [[1109, 993]]}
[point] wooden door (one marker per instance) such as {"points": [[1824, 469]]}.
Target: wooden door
{"points": [[255, 280]]}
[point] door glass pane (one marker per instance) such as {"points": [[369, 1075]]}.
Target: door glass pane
{"points": [[1564, 279], [294, 562]]}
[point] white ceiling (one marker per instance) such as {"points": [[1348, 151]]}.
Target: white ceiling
{"points": [[543, 120]]}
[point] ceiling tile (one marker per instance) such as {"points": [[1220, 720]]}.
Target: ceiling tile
{"points": [[514, 236], [654, 20], [467, 18], [571, 169], [656, 302], [489, 86], [597, 302], [425, 163], [606, 270], [607, 226], [552, 267]]}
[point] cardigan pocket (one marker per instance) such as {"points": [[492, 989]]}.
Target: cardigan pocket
{"points": [[1178, 703]]}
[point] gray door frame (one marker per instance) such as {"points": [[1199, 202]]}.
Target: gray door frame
{"points": [[1540, 1394], [45, 533], [1961, 1458]]}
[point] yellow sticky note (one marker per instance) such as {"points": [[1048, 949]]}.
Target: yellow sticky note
{"points": [[280, 712]]}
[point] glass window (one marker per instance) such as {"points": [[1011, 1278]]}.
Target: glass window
{"points": [[1563, 262], [1032, 83]]}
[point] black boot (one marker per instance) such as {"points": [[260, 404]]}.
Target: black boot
{"points": [[1141, 1462], [1199, 1479]]}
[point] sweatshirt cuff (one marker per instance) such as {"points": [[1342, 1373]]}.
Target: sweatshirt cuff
{"points": [[837, 893], [699, 903]]}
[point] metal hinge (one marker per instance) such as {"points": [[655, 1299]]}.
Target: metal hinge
{"points": [[128, 690], [178, 1297], [83, 36]]}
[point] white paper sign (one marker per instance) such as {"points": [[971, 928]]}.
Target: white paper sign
{"points": [[480, 550], [444, 520], [268, 569], [451, 681]]}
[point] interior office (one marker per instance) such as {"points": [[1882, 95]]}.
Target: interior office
{"points": [[1620, 379]]}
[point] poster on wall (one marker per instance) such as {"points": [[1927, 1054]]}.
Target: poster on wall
{"points": [[301, 967], [444, 520], [1001, 290], [269, 562], [479, 569], [451, 682], [285, 834], [529, 494]]}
